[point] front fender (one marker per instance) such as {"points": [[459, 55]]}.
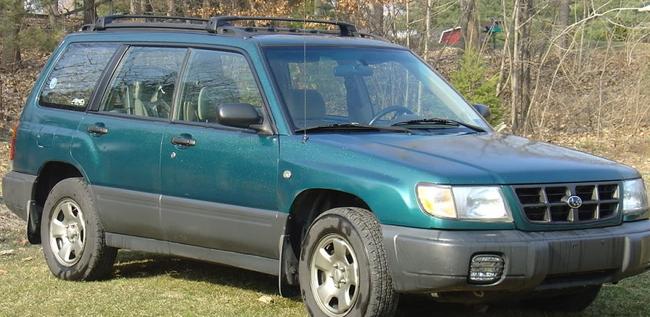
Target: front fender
{"points": [[386, 189], [386, 186]]}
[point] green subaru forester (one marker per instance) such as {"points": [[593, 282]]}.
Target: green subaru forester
{"points": [[334, 160]]}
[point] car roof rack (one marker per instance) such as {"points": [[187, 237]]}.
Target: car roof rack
{"points": [[150, 21], [219, 25], [222, 24]]}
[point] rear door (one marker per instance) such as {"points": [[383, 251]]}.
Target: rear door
{"points": [[219, 184], [120, 144]]}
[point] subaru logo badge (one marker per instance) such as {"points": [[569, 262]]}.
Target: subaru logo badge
{"points": [[574, 202]]}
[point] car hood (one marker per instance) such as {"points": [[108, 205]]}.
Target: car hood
{"points": [[486, 158]]}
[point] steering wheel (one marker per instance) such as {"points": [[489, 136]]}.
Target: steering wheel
{"points": [[398, 110]]}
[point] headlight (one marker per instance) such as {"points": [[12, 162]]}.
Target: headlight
{"points": [[635, 199], [463, 202]]}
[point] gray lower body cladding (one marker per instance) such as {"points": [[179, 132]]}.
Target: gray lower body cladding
{"points": [[439, 260], [421, 260], [17, 191]]}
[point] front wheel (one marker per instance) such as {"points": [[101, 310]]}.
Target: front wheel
{"points": [[343, 269], [72, 233]]}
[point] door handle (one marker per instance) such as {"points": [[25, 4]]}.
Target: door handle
{"points": [[97, 129], [183, 141]]}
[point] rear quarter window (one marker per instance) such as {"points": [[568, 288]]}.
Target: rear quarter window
{"points": [[74, 77]]}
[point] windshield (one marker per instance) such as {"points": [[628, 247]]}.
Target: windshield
{"points": [[368, 86]]}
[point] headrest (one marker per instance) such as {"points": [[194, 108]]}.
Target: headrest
{"points": [[315, 104], [207, 105], [143, 91], [212, 96]]}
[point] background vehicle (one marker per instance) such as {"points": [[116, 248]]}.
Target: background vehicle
{"points": [[235, 146]]}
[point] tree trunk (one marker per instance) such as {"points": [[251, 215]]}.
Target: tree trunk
{"points": [[427, 30], [408, 24], [563, 21], [470, 24], [318, 8], [187, 7], [134, 7], [376, 18], [171, 8], [520, 77], [53, 14], [144, 7], [90, 14], [10, 22]]}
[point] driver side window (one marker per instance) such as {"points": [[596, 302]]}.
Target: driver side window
{"points": [[212, 79], [144, 82]]}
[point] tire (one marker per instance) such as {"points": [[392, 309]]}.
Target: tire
{"points": [[569, 300], [76, 250], [343, 255]]}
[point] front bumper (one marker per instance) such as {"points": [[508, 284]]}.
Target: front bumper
{"points": [[439, 260]]}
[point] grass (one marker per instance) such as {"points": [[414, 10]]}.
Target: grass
{"points": [[151, 285]]}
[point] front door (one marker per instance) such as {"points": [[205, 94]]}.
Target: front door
{"points": [[120, 150], [219, 183]]}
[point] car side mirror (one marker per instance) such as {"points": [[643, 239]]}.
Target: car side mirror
{"points": [[239, 115], [483, 110]]}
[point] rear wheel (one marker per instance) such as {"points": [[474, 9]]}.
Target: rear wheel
{"points": [[569, 300], [343, 269], [73, 236]]}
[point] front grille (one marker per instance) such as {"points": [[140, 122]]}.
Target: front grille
{"points": [[548, 203]]}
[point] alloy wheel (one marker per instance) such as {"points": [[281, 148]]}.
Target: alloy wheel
{"points": [[67, 232], [334, 275]]}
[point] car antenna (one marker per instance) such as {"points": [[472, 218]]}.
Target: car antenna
{"points": [[304, 72]]}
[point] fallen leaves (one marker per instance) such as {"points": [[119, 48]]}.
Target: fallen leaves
{"points": [[8, 252], [15, 87], [265, 299]]}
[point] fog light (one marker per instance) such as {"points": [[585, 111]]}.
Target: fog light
{"points": [[486, 268]]}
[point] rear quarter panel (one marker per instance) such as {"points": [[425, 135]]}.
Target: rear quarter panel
{"points": [[44, 134]]}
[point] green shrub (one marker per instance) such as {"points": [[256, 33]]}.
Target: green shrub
{"points": [[472, 82]]}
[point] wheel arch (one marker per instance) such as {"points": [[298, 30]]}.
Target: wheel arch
{"points": [[49, 174], [306, 206]]}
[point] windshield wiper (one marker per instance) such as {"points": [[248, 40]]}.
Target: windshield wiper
{"points": [[439, 121], [352, 127]]}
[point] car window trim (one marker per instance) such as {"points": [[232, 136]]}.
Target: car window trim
{"points": [[178, 90], [41, 104], [107, 75], [214, 126], [128, 116]]}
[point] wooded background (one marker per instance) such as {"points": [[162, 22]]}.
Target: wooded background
{"points": [[558, 67]]}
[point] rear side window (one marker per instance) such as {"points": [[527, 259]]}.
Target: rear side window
{"points": [[74, 77], [144, 82]]}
